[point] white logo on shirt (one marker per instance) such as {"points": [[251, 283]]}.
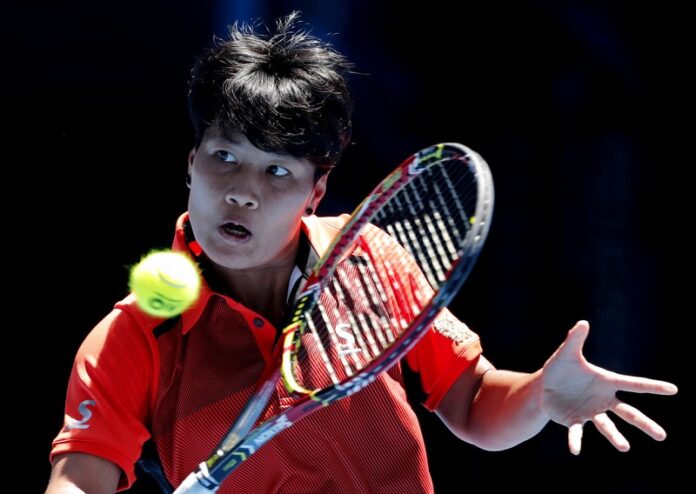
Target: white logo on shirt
{"points": [[71, 423], [348, 347]]}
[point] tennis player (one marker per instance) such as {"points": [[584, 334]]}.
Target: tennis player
{"points": [[271, 115]]}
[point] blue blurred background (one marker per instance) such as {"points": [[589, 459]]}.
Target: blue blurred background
{"points": [[580, 108]]}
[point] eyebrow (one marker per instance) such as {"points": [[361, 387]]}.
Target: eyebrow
{"points": [[283, 157]]}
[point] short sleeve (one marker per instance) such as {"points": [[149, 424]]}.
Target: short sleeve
{"points": [[440, 357], [110, 394]]}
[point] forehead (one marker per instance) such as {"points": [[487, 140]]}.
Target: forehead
{"points": [[214, 133]]}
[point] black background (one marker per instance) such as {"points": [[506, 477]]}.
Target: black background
{"points": [[582, 110]]}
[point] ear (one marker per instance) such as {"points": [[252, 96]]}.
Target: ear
{"points": [[318, 191], [191, 156]]}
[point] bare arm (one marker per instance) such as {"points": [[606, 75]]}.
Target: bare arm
{"points": [[493, 409], [77, 473], [496, 409]]}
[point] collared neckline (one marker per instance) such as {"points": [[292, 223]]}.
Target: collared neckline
{"points": [[317, 235]]}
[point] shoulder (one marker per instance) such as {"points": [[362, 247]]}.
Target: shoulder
{"points": [[322, 230], [123, 330], [329, 223]]}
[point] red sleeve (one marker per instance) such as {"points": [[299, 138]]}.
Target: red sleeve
{"points": [[444, 352], [110, 394]]}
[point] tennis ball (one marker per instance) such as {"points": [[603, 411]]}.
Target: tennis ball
{"points": [[165, 283]]}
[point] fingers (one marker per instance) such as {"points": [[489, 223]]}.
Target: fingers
{"points": [[638, 419], [608, 429], [582, 325], [643, 385], [575, 438], [605, 425]]}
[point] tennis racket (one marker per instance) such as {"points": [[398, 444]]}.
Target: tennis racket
{"points": [[423, 225]]}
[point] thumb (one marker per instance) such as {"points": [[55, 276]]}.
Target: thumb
{"points": [[576, 339]]}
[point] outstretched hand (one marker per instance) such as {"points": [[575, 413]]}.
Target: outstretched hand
{"points": [[575, 391]]}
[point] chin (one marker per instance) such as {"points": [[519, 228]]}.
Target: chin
{"points": [[235, 261], [226, 258]]}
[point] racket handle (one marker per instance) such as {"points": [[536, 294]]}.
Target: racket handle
{"points": [[198, 482]]}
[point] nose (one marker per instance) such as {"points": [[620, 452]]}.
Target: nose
{"points": [[242, 197]]}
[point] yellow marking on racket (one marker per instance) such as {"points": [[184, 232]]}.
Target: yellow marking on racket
{"points": [[437, 153], [286, 365]]}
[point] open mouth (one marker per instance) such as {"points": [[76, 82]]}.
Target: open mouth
{"points": [[236, 230]]}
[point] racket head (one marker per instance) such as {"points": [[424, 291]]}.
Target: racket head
{"points": [[431, 215]]}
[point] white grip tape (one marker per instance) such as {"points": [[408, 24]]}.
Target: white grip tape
{"points": [[197, 481]]}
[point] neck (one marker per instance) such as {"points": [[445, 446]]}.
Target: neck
{"points": [[263, 290]]}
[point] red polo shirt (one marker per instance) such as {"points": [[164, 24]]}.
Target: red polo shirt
{"points": [[183, 381]]}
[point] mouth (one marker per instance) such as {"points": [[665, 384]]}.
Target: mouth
{"points": [[236, 230]]}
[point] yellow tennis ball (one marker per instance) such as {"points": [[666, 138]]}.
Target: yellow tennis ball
{"points": [[165, 283]]}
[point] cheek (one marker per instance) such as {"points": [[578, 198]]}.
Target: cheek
{"points": [[192, 200], [284, 216], [294, 204], [201, 194]]}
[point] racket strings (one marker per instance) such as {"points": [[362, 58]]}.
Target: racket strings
{"points": [[374, 294], [346, 332], [432, 217]]}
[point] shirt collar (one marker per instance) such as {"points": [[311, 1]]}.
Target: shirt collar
{"points": [[317, 235]]}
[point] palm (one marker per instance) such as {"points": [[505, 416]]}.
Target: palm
{"points": [[575, 391]]}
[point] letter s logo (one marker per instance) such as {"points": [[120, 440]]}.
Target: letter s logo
{"points": [[348, 347], [71, 423]]}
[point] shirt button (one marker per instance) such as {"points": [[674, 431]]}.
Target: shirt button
{"points": [[258, 322]]}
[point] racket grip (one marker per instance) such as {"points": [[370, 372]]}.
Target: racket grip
{"points": [[198, 482]]}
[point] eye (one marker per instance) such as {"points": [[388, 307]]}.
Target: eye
{"points": [[277, 171], [225, 156]]}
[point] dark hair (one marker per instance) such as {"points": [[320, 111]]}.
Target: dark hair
{"points": [[286, 92]]}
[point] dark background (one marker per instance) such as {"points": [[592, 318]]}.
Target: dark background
{"points": [[582, 110]]}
